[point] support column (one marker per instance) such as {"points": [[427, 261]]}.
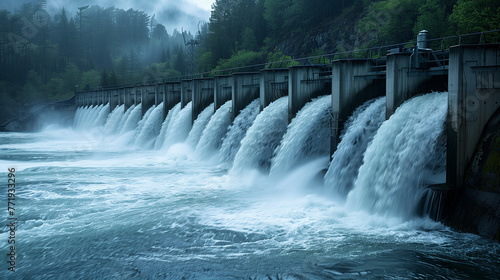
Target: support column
{"points": [[223, 88], [473, 98], [203, 95], [306, 83], [404, 82], [246, 88], [273, 85], [186, 92], [354, 81], [172, 96]]}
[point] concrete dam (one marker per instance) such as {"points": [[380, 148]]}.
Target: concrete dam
{"points": [[395, 136]]}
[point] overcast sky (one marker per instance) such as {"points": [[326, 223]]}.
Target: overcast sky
{"points": [[171, 13]]}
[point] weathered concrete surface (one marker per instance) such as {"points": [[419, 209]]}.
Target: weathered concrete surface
{"points": [[273, 85], [474, 96], [403, 82], [476, 208], [203, 95], [148, 97], [246, 88], [172, 96], [223, 89], [186, 92], [306, 83], [354, 81]]}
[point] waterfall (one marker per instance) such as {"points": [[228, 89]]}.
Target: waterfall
{"points": [[359, 131], [163, 131], [142, 123], [91, 117], [132, 119], [263, 137], [232, 143], [114, 119], [179, 127], [78, 115], [102, 115], [87, 113], [216, 130], [152, 123], [402, 158], [307, 137], [199, 125]]}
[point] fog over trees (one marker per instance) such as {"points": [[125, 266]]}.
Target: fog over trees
{"points": [[44, 56]]}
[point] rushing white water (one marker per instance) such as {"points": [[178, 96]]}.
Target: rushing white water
{"points": [[172, 113], [215, 131], [132, 119], [232, 143], [94, 116], [179, 127], [400, 161], [102, 116], [359, 131], [100, 208], [263, 137], [151, 127], [142, 123], [307, 137], [199, 125], [114, 119]]}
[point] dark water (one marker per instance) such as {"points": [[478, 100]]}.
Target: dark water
{"points": [[104, 212]]}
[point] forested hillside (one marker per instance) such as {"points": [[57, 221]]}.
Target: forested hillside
{"points": [[44, 58]]}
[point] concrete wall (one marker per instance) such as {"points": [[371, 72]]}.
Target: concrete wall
{"points": [[148, 97], [130, 97], [186, 92], [172, 96], [114, 98], [246, 88], [354, 81], [203, 95], [403, 82], [159, 90], [306, 83], [273, 85], [223, 89], [474, 96]]}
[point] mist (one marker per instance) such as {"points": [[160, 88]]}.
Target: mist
{"points": [[173, 14]]}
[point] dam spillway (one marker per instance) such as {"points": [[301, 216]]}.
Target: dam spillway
{"points": [[246, 194]]}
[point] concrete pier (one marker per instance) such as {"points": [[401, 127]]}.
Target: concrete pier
{"points": [[273, 85], [114, 99], [130, 97], [172, 96], [305, 83], [223, 88], [148, 97], [473, 98], [246, 88], [186, 92], [354, 81], [203, 95], [405, 80]]}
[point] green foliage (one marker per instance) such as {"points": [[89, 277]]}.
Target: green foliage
{"points": [[476, 15], [389, 21], [318, 57], [90, 79], [276, 59], [240, 59], [433, 18]]}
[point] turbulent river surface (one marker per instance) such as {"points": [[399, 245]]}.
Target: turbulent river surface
{"points": [[92, 202]]}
